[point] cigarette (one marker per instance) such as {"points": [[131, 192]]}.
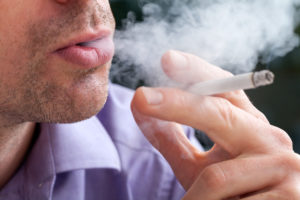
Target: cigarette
{"points": [[239, 82]]}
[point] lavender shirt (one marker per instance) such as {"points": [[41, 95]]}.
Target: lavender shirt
{"points": [[104, 157]]}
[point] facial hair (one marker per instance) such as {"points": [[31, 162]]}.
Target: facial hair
{"points": [[44, 100]]}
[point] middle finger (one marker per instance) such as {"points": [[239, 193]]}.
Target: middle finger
{"points": [[189, 69], [232, 128]]}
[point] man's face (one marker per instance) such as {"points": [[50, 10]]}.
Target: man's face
{"points": [[44, 75]]}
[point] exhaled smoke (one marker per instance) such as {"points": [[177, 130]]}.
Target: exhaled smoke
{"points": [[232, 34]]}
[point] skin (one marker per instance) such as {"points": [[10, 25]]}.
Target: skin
{"points": [[38, 86], [251, 159]]}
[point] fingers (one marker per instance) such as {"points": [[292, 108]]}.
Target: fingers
{"points": [[170, 139], [174, 140], [230, 120], [227, 125], [188, 69], [286, 191], [237, 177], [277, 194]]}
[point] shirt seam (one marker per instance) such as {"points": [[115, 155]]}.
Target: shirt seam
{"points": [[154, 151], [53, 162], [168, 178]]}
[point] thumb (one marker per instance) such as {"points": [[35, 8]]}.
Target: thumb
{"points": [[170, 139]]}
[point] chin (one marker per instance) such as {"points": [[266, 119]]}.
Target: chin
{"points": [[84, 106], [72, 103], [74, 112], [86, 96], [88, 110], [80, 115]]}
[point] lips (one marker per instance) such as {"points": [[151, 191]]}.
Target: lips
{"points": [[89, 52]]}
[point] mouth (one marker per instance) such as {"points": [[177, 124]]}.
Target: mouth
{"points": [[88, 50]]}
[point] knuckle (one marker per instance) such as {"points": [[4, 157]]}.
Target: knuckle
{"points": [[181, 100], [294, 192], [261, 116], [290, 162], [294, 162], [290, 192], [226, 113], [258, 114], [282, 138], [213, 177]]}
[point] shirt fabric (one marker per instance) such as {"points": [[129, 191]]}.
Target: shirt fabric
{"points": [[104, 157]]}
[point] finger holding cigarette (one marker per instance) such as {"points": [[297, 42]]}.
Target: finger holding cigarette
{"points": [[203, 78], [246, 147], [192, 75], [239, 82]]}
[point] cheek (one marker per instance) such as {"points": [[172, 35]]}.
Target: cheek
{"points": [[14, 18]]}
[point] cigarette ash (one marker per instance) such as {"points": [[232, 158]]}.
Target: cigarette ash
{"points": [[263, 78]]}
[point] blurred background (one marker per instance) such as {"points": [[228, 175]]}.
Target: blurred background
{"points": [[279, 102]]}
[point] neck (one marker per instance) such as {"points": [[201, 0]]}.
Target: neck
{"points": [[14, 144]]}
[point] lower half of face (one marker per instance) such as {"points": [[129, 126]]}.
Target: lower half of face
{"points": [[42, 79], [56, 95]]}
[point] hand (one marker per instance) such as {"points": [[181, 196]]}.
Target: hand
{"points": [[250, 160]]}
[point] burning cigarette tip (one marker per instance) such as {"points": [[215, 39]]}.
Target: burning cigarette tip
{"points": [[239, 82], [262, 78]]}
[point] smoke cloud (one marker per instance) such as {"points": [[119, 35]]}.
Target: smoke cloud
{"points": [[232, 34]]}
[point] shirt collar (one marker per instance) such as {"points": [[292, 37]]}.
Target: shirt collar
{"points": [[66, 147]]}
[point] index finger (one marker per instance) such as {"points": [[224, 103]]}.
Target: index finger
{"points": [[232, 128], [190, 69]]}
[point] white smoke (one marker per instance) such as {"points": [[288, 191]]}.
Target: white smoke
{"points": [[232, 34]]}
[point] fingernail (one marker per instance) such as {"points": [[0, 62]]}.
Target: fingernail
{"points": [[178, 60], [153, 97]]}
